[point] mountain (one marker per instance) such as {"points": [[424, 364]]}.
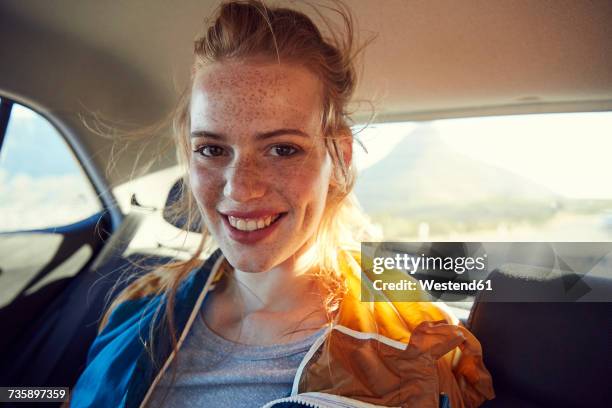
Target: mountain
{"points": [[423, 174]]}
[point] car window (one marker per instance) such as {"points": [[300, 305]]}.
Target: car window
{"points": [[42, 184], [541, 177]]}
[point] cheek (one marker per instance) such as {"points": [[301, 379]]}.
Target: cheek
{"points": [[310, 188], [205, 186]]}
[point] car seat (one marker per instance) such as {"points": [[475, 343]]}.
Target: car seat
{"points": [[547, 353]]}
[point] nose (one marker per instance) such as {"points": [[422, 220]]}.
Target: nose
{"points": [[244, 181]]}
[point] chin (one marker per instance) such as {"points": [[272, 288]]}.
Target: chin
{"points": [[246, 263]]}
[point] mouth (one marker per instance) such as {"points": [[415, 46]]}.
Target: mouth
{"points": [[252, 229], [253, 224]]}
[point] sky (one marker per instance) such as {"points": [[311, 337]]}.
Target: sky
{"points": [[570, 154], [41, 183]]}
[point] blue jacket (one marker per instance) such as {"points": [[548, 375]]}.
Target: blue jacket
{"points": [[121, 372]]}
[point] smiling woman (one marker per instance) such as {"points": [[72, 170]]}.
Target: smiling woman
{"points": [[259, 156], [274, 316]]}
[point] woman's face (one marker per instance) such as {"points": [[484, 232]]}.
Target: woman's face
{"points": [[259, 168]]}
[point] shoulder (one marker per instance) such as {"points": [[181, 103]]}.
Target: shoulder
{"points": [[120, 351], [127, 325], [147, 293], [368, 307], [113, 356], [139, 311]]}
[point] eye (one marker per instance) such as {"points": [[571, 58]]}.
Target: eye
{"points": [[210, 151], [284, 150]]}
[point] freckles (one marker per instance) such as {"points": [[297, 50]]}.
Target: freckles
{"points": [[257, 94], [205, 184]]}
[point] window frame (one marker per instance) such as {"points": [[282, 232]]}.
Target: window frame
{"points": [[92, 174]]}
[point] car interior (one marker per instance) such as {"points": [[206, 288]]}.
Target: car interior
{"points": [[84, 211]]}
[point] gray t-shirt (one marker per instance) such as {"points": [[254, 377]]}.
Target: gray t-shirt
{"points": [[215, 372]]}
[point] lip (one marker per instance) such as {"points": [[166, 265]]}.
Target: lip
{"points": [[250, 237], [251, 214]]}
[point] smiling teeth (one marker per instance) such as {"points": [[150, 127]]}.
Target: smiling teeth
{"points": [[251, 224]]}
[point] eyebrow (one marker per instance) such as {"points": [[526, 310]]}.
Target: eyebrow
{"points": [[258, 136]]}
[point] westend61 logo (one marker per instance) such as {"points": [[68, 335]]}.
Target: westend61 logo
{"points": [[493, 271]]}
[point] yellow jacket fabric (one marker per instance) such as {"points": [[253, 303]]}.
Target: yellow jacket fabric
{"points": [[415, 351]]}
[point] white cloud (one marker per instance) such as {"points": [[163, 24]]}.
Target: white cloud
{"points": [[28, 202]]}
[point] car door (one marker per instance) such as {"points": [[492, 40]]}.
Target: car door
{"points": [[52, 224]]}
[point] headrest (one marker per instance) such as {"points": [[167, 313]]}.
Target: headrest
{"points": [[171, 213]]}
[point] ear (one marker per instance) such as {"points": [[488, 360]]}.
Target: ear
{"points": [[346, 150]]}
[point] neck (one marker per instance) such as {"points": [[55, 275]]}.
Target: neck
{"points": [[282, 288]]}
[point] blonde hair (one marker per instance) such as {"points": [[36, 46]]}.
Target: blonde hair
{"points": [[246, 29]]}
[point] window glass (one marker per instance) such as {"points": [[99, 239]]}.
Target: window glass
{"points": [[513, 178], [42, 184]]}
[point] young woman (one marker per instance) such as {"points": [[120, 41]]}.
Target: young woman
{"points": [[274, 316]]}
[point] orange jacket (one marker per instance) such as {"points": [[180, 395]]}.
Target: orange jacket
{"points": [[396, 353]]}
